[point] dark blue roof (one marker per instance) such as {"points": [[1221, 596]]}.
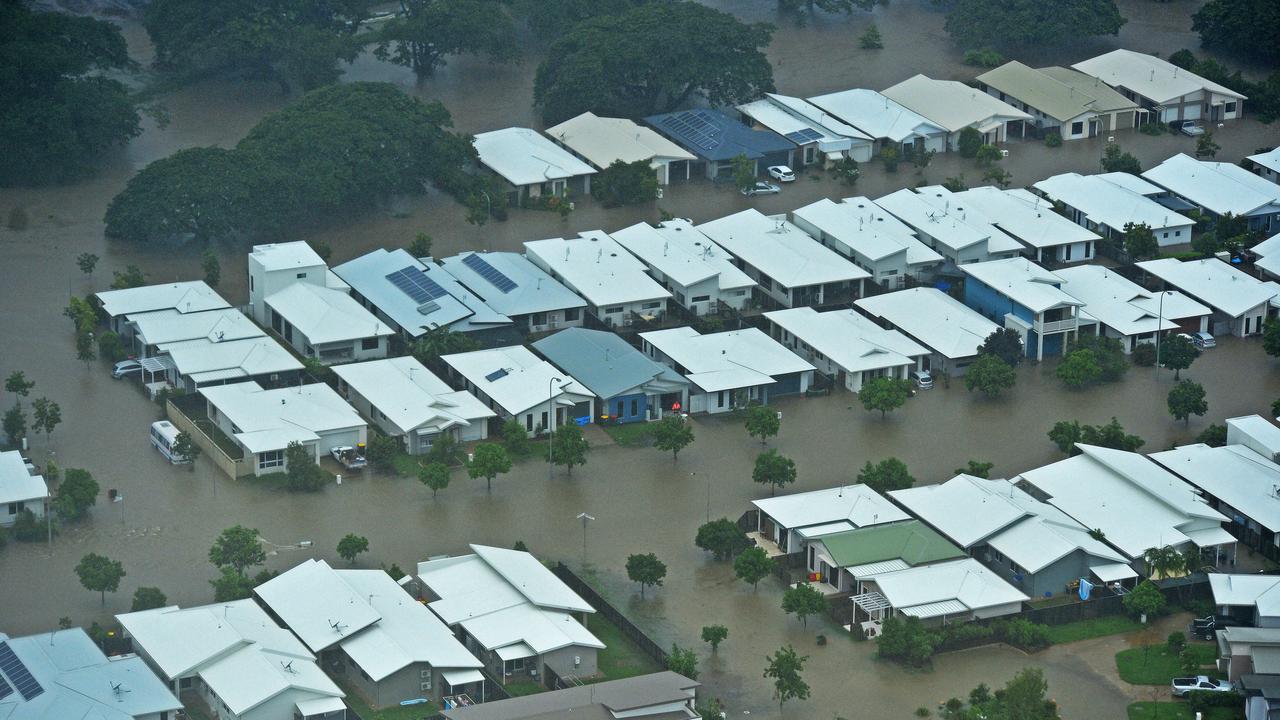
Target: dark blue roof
{"points": [[712, 135], [603, 362]]}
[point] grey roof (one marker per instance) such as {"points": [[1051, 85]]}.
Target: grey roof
{"points": [[535, 291], [603, 362], [616, 696], [1048, 93]]}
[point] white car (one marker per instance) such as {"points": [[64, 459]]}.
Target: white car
{"points": [[782, 172], [761, 188], [922, 379], [1190, 127], [1200, 683], [126, 367]]}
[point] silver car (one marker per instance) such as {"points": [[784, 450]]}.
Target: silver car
{"points": [[922, 379], [761, 188], [125, 367]]}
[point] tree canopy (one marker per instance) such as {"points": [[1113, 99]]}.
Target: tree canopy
{"points": [[429, 30], [784, 668], [762, 422], [1079, 369], [60, 114], [548, 20], [722, 538], [774, 470], [752, 565], [1005, 344], [352, 545], [803, 600], [238, 548], [1247, 28], [568, 447], [625, 183], [1140, 242], [1187, 399], [672, 433], [646, 569], [884, 394], [77, 492], [653, 58], [1178, 353], [989, 375], [100, 574], [888, 474], [1029, 23], [490, 460]]}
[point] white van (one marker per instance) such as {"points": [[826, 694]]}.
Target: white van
{"points": [[163, 436]]}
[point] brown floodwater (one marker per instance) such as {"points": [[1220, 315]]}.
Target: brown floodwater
{"points": [[641, 500]]}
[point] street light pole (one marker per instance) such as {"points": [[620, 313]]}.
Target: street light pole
{"points": [[585, 518], [1159, 325], [551, 422]]}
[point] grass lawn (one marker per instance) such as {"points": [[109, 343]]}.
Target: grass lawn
{"points": [[1098, 627], [523, 687], [1147, 710], [1059, 599], [621, 657], [411, 712], [637, 434], [1156, 665], [407, 465]]}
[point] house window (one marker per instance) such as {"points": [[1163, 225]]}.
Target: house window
{"points": [[15, 508], [571, 315], [1230, 107], [1166, 235], [288, 332], [635, 408], [1077, 127], [369, 343], [612, 310], [270, 459], [701, 298], [276, 323], [528, 422], [996, 556], [545, 426], [250, 283], [652, 305], [539, 318], [302, 276]]}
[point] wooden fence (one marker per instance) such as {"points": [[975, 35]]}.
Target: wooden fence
{"points": [[233, 467], [602, 606]]}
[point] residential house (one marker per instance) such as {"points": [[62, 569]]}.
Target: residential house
{"points": [[191, 296], [715, 139], [1128, 312], [958, 233], [62, 674], [955, 106], [1167, 91], [730, 369], [843, 560], [1032, 545], [275, 266], [1267, 164], [327, 325], [235, 659], [951, 332], [1262, 696], [1107, 203], [820, 138], [631, 387], [516, 384], [192, 365], [939, 593], [846, 346], [1248, 652], [1061, 100], [407, 401], [786, 524], [615, 285], [1256, 433], [700, 274], [150, 330], [1240, 302], [367, 628], [602, 141], [790, 267], [532, 165], [1028, 299], [660, 696], [1132, 501], [1218, 189], [1267, 256], [513, 613], [416, 297], [513, 286], [263, 423], [20, 489], [870, 238], [1030, 219], [891, 124], [1250, 599]]}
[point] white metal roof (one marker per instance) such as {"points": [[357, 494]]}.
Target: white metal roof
{"points": [[268, 417], [524, 157], [866, 229], [1269, 159], [934, 211], [1220, 188], [680, 252], [856, 504], [1234, 474], [1131, 182], [205, 360], [604, 140], [1122, 304], [1025, 282], [1113, 572], [848, 339], [780, 250], [818, 118], [516, 379], [1135, 502], [1256, 433], [947, 587], [1260, 591], [877, 568], [597, 268], [950, 104], [410, 396], [531, 579], [166, 326], [249, 677], [1105, 202], [462, 677], [796, 127], [17, 484], [286, 255], [1025, 216], [1214, 282], [324, 315], [534, 290], [186, 297], [726, 360], [944, 324], [875, 114], [315, 603], [1149, 76]]}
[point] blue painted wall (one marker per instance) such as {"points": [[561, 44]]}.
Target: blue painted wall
{"points": [[992, 303], [620, 406]]}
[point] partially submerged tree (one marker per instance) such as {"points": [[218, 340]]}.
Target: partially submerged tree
{"points": [[884, 394], [672, 433], [784, 668], [646, 569], [753, 565], [714, 635], [490, 461], [238, 548], [762, 422], [989, 375], [434, 476], [568, 447], [803, 600], [351, 546], [886, 475], [425, 32], [100, 574], [774, 470], [722, 538], [1187, 399]]}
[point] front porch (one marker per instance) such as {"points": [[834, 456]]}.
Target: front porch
{"points": [[770, 547]]}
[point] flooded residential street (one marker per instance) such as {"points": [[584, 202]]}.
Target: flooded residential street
{"points": [[642, 501]]}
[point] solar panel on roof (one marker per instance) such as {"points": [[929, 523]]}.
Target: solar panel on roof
{"points": [[804, 135], [496, 375], [11, 665], [5, 689], [494, 276], [415, 283], [694, 126]]}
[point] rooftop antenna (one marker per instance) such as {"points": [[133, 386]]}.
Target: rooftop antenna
{"points": [[118, 689], [288, 667], [337, 626]]}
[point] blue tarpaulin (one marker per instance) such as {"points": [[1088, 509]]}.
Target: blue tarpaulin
{"points": [[942, 285], [582, 421], [1085, 588]]}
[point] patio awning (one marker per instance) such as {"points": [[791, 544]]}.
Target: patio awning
{"points": [[937, 609], [877, 568], [515, 651], [1210, 537], [995, 125], [872, 602], [462, 677], [320, 706], [1114, 572], [814, 531]]}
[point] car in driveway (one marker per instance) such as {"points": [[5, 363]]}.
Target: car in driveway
{"points": [[1201, 683], [126, 367], [782, 173], [761, 188], [922, 379], [1190, 127], [1201, 340]]}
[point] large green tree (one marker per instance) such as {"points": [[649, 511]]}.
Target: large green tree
{"points": [[774, 470], [803, 600], [237, 548], [1178, 353], [653, 58], [569, 447], [625, 183], [722, 538], [784, 668], [77, 492], [888, 474], [1078, 369], [1140, 242], [295, 43], [1015, 24], [489, 461], [426, 31], [1187, 399], [989, 375], [1247, 28], [884, 394], [100, 574], [672, 433], [1005, 344], [646, 569], [59, 113], [548, 20], [753, 565], [762, 422]]}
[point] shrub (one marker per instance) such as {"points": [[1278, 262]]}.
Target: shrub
{"points": [[1144, 355], [1053, 140], [1177, 641], [1152, 128], [26, 528], [889, 156], [986, 57]]}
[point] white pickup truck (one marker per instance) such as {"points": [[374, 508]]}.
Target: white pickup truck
{"points": [[1184, 685]]}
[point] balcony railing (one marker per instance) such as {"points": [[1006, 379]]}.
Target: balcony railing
{"points": [[1057, 326]]}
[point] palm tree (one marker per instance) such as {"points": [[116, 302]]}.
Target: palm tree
{"points": [[1163, 562]]}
